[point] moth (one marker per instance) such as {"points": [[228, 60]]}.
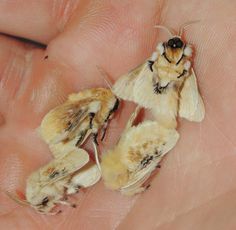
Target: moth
{"points": [[63, 176], [165, 83], [137, 154], [83, 114]]}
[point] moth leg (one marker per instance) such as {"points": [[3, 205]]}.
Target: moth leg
{"points": [[158, 89], [150, 65], [110, 114], [183, 73], [187, 66], [84, 133], [96, 156], [104, 129], [83, 136], [91, 116], [95, 138]]}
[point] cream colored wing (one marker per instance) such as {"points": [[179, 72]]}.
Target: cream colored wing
{"points": [[123, 87], [191, 105], [58, 168], [85, 177], [135, 184], [152, 146], [143, 91]]}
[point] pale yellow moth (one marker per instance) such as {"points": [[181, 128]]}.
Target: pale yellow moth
{"points": [[130, 163], [52, 183], [64, 129], [82, 114], [165, 83]]}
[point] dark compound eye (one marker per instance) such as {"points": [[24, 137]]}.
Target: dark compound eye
{"points": [[175, 43], [170, 43]]}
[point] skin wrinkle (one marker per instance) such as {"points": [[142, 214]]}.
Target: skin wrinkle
{"points": [[62, 12], [12, 75], [25, 74]]}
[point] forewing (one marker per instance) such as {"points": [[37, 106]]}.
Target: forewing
{"points": [[191, 105], [152, 146], [86, 177], [143, 89], [61, 121], [59, 168], [123, 87]]}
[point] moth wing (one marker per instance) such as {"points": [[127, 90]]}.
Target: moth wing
{"points": [[143, 90], [135, 184], [123, 87], [154, 132], [86, 177], [59, 122], [58, 168], [191, 104]]}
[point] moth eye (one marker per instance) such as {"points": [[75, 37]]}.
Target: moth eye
{"points": [[175, 43], [170, 42], [179, 44]]}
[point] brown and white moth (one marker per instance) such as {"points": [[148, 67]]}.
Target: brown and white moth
{"points": [[63, 176], [82, 114], [130, 163], [65, 128], [165, 83]]}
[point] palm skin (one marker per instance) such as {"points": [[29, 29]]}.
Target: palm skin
{"points": [[195, 188]]}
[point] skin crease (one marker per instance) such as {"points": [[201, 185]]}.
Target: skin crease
{"points": [[195, 188]]}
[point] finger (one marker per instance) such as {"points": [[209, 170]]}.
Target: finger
{"points": [[30, 86], [36, 20]]}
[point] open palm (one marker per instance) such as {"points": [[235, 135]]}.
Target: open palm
{"points": [[195, 188]]}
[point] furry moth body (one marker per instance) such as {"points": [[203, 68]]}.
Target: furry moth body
{"points": [[129, 164], [166, 84]]}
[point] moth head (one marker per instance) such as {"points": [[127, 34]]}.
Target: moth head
{"points": [[175, 43], [175, 47]]}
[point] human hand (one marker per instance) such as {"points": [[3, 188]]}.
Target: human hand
{"points": [[194, 188]]}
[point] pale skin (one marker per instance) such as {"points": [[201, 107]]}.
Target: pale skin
{"points": [[195, 188]]}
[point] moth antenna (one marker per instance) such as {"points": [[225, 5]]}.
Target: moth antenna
{"points": [[105, 77], [17, 199], [166, 29], [183, 26]]}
